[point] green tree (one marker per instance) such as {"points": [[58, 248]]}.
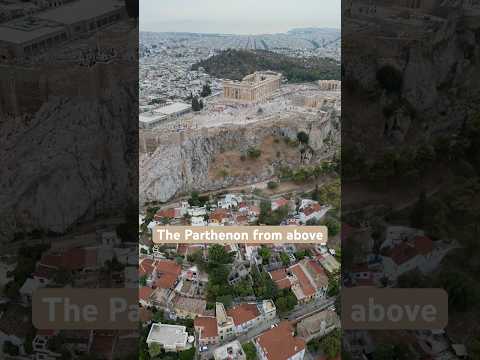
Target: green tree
{"points": [[218, 255], [463, 291], [331, 344], [195, 199], [226, 300], [303, 137], [272, 185], [333, 285], [206, 90], [154, 349], [475, 348], [392, 352], [265, 253], [10, 348], [333, 227], [250, 351], [243, 289], [254, 153], [196, 105], [285, 259], [158, 316], [187, 354]]}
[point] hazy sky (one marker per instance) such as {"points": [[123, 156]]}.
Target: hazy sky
{"points": [[237, 16]]}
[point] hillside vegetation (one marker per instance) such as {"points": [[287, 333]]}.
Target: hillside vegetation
{"points": [[235, 64]]}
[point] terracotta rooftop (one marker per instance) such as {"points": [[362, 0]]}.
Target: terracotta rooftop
{"points": [[219, 214], [316, 267], [279, 343], [423, 244], [402, 253], [144, 293], [313, 208], [243, 313], [278, 274], [166, 281], [145, 315], [280, 202], [208, 325], [284, 284], [168, 267], [303, 280], [167, 214], [145, 267]]}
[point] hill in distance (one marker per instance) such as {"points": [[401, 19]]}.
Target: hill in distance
{"points": [[235, 64]]}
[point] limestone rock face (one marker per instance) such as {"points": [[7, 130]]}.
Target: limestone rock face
{"points": [[437, 74], [182, 162], [67, 162]]}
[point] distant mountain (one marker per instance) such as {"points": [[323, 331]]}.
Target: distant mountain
{"points": [[235, 64]]}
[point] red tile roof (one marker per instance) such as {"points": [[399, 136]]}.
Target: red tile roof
{"points": [[280, 202], [145, 267], [316, 267], [167, 214], [166, 281], [208, 324], [423, 244], [403, 252], [219, 215], [168, 267], [284, 284], [145, 315], [144, 293], [71, 259], [278, 274], [167, 273], [243, 313], [44, 272], [279, 343], [303, 280], [313, 208]]}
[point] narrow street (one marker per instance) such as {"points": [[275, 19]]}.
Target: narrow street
{"points": [[296, 314], [310, 309]]}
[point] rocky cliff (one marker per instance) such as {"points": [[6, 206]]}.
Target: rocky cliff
{"points": [[437, 62], [215, 158], [69, 158]]}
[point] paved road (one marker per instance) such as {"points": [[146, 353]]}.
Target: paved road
{"points": [[297, 314], [250, 335], [310, 309]]}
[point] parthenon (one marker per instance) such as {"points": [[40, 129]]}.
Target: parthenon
{"points": [[254, 87], [330, 85]]}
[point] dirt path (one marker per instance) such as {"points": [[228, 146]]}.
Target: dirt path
{"points": [[283, 188]]}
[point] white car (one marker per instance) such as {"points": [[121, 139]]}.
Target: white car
{"points": [[332, 252]]}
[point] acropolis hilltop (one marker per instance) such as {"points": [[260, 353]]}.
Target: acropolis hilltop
{"points": [[253, 87]]}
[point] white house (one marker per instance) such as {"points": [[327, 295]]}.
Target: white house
{"points": [[172, 338], [409, 254], [197, 211], [230, 201], [198, 221], [313, 211], [279, 343]]}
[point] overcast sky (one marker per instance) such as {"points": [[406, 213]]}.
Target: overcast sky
{"points": [[237, 16]]}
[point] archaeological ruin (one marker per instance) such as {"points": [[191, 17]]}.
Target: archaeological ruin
{"points": [[330, 85], [254, 87]]}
